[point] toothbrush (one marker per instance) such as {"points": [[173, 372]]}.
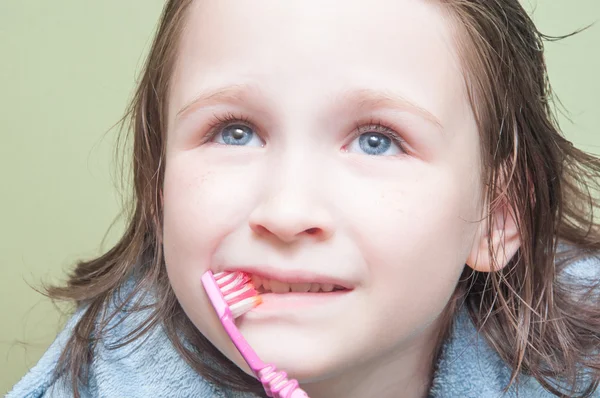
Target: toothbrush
{"points": [[232, 294]]}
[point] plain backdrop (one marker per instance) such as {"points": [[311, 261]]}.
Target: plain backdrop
{"points": [[67, 70]]}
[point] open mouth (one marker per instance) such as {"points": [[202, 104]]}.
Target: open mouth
{"points": [[264, 285]]}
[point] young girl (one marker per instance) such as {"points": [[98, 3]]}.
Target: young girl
{"points": [[401, 153]]}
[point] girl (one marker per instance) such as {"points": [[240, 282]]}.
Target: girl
{"points": [[401, 152]]}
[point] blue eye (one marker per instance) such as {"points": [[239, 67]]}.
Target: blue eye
{"points": [[237, 134], [374, 143], [374, 138]]}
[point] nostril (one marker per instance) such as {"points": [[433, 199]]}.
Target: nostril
{"points": [[312, 231], [259, 229]]}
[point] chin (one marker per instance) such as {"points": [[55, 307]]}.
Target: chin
{"points": [[307, 360]]}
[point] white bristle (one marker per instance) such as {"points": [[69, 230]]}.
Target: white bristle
{"points": [[239, 309], [234, 284], [228, 280], [237, 292]]}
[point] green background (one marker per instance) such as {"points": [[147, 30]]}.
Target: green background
{"points": [[67, 70]]}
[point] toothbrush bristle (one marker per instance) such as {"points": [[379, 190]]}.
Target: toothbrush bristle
{"points": [[239, 291]]}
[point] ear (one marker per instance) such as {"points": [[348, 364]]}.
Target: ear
{"points": [[505, 240]]}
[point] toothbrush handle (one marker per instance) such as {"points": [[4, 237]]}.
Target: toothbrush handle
{"points": [[277, 385]]}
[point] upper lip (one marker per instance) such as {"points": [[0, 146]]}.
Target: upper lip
{"points": [[292, 275]]}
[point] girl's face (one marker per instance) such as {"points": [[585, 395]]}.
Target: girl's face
{"points": [[328, 142]]}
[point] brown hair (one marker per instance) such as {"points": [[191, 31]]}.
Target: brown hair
{"points": [[527, 312]]}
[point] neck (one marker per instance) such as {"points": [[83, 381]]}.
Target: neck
{"points": [[404, 372]]}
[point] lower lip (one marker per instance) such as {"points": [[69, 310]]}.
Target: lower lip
{"points": [[273, 302]]}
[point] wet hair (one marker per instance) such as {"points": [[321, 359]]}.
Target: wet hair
{"points": [[526, 311]]}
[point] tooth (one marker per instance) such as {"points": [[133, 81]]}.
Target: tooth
{"points": [[326, 287], [315, 287], [300, 287], [256, 281], [266, 284], [279, 287]]}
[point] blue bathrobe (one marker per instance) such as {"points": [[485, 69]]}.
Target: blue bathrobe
{"points": [[150, 366]]}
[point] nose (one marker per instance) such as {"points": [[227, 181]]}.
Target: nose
{"points": [[292, 209], [290, 218]]}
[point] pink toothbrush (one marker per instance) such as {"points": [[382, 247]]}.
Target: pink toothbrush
{"points": [[232, 294]]}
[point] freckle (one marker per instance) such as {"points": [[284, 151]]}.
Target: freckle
{"points": [[205, 176]]}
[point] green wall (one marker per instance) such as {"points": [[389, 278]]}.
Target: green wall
{"points": [[67, 69]]}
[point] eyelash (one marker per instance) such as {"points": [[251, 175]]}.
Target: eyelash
{"points": [[220, 122], [371, 126], [379, 126]]}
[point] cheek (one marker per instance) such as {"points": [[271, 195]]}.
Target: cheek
{"points": [[201, 206], [415, 239], [203, 202]]}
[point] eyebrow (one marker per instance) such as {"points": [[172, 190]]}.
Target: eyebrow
{"points": [[235, 93], [386, 99], [240, 93]]}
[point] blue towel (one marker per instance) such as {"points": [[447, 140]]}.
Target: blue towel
{"points": [[150, 367]]}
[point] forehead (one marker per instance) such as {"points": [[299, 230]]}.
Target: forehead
{"points": [[322, 47]]}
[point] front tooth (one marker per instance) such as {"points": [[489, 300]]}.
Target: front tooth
{"points": [[300, 287], [326, 287], [279, 287], [315, 287], [266, 284], [256, 281]]}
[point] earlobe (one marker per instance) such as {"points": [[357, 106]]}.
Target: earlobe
{"points": [[505, 240]]}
